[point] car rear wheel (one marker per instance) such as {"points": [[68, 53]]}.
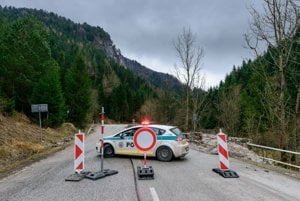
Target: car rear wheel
{"points": [[164, 154], [108, 150]]}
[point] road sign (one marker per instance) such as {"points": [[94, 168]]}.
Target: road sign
{"points": [[39, 108], [79, 152], [144, 139]]}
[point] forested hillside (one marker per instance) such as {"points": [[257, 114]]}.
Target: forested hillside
{"points": [[246, 103], [261, 98], [49, 59]]}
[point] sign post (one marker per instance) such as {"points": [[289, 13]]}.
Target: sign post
{"points": [[39, 108], [103, 172], [144, 140], [102, 138]]}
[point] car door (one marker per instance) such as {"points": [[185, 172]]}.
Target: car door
{"points": [[125, 144]]}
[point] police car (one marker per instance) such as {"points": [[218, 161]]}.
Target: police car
{"points": [[170, 143]]}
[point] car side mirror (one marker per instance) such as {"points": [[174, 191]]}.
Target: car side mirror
{"points": [[122, 136]]}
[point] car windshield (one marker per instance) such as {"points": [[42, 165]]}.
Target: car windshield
{"points": [[176, 131]]}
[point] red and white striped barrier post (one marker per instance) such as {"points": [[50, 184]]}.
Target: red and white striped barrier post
{"points": [[223, 151], [78, 158], [102, 138], [79, 152], [104, 172], [224, 169]]}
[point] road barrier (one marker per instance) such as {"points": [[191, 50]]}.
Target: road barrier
{"points": [[144, 139], [224, 169], [275, 149], [103, 172], [79, 152], [223, 151], [79, 158]]}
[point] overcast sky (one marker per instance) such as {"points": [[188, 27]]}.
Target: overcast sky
{"points": [[144, 30]]}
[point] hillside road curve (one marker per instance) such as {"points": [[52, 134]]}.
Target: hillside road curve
{"points": [[189, 178]]}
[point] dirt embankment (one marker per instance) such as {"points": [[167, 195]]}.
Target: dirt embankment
{"points": [[20, 141]]}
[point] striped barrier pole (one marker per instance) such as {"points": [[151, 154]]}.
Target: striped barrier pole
{"points": [[102, 138], [79, 152], [104, 172], [224, 169], [78, 158], [223, 151]]}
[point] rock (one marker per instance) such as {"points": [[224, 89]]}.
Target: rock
{"points": [[237, 147]]}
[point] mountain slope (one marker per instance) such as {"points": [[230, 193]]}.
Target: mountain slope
{"points": [[82, 59], [158, 79], [97, 38]]}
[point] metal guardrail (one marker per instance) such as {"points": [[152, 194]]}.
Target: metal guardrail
{"points": [[276, 149], [91, 129]]}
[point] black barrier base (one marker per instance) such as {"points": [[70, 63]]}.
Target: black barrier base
{"points": [[226, 173], [100, 174], [145, 173], [109, 172], [76, 176], [95, 175]]}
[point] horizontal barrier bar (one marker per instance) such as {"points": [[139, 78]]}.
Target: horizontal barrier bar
{"points": [[274, 149], [276, 161]]}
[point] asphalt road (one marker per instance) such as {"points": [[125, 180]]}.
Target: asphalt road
{"points": [[190, 178]]}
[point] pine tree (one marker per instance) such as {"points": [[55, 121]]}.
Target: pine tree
{"points": [[48, 91], [78, 92], [26, 49]]}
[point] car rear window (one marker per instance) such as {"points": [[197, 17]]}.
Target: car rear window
{"points": [[176, 131]]}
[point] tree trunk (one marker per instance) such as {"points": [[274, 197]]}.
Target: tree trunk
{"points": [[283, 138], [187, 110], [297, 101]]}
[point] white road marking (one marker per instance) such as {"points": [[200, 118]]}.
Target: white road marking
{"points": [[154, 194]]}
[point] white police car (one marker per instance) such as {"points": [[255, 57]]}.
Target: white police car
{"points": [[170, 143]]}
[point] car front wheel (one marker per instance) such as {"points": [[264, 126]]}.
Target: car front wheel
{"points": [[164, 154], [108, 150]]}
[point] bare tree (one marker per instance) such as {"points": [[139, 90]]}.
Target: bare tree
{"points": [[190, 55], [198, 99], [229, 108], [274, 29]]}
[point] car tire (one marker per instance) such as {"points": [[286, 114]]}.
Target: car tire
{"points": [[108, 151], [164, 154]]}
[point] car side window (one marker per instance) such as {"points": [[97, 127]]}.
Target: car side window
{"points": [[129, 133], [158, 131]]}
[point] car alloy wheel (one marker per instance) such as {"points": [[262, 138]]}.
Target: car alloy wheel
{"points": [[164, 154], [108, 150]]}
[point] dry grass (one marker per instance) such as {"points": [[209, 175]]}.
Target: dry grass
{"points": [[20, 141]]}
